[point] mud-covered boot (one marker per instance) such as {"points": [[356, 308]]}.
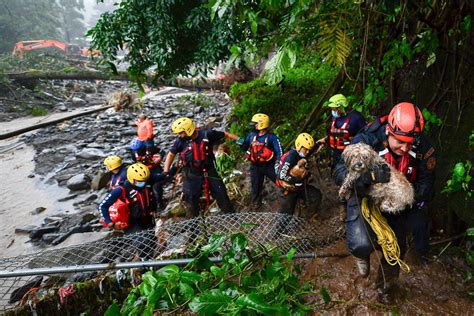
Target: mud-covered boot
{"points": [[363, 266], [387, 277]]}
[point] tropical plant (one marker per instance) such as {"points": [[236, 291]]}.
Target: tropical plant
{"points": [[247, 281], [461, 179]]}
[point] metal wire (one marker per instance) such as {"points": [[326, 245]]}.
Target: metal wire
{"points": [[171, 239]]}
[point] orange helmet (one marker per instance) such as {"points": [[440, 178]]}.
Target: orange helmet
{"points": [[405, 122]]}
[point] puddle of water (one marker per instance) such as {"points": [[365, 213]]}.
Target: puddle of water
{"points": [[21, 195]]}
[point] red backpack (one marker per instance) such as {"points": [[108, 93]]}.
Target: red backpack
{"points": [[119, 212]]}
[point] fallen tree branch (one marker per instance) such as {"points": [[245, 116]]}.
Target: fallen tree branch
{"points": [[186, 83], [52, 122]]}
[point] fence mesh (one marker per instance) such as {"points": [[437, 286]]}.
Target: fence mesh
{"points": [[169, 239]]}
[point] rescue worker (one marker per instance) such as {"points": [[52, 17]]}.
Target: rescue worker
{"points": [[131, 206], [118, 170], [145, 132], [137, 150], [293, 173], [196, 151], [344, 126], [263, 149], [398, 138]]}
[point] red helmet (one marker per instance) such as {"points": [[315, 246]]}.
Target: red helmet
{"points": [[405, 121]]}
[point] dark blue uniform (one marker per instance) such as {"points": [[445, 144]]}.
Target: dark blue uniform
{"points": [[139, 218], [343, 129], [119, 177], [360, 237], [289, 198], [198, 172], [258, 171]]}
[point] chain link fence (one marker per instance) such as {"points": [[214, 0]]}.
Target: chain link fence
{"points": [[26, 279]]}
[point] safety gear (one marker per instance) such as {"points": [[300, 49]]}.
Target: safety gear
{"points": [[261, 121], [145, 130], [405, 122], [259, 152], [138, 172], [136, 144], [363, 266], [339, 138], [119, 212], [338, 100], [386, 237], [406, 164], [139, 184], [112, 162], [196, 155], [335, 114], [183, 124], [304, 140]]}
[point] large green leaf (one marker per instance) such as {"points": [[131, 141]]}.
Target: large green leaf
{"points": [[168, 271], [210, 302], [113, 310], [186, 290], [239, 242], [255, 302]]}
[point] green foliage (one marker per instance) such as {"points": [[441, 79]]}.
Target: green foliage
{"points": [[461, 179], [471, 139], [430, 119], [176, 37], [225, 164], [247, 281], [38, 111], [288, 103]]}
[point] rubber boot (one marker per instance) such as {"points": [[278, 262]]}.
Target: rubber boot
{"points": [[363, 266], [387, 277]]}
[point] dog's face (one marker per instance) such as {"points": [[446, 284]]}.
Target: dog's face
{"points": [[358, 157]]}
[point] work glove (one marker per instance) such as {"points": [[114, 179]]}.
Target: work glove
{"points": [[240, 141], [381, 174]]}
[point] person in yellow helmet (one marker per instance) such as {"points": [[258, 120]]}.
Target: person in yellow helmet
{"points": [[114, 165], [292, 173], [263, 150], [195, 148], [131, 205], [344, 126]]}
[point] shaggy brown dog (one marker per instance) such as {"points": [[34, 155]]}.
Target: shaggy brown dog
{"points": [[391, 197]]}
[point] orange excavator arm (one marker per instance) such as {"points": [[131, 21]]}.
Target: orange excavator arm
{"points": [[24, 46]]}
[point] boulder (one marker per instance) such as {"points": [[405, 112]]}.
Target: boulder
{"points": [[100, 180], [78, 101], [78, 182], [91, 154]]}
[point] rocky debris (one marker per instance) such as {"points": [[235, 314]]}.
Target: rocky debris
{"points": [[72, 153], [100, 180], [25, 229], [37, 233], [91, 154], [38, 210], [78, 182]]}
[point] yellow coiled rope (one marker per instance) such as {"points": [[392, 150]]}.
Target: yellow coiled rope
{"points": [[385, 236]]}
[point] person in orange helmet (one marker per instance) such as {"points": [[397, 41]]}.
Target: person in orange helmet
{"points": [[398, 138]]}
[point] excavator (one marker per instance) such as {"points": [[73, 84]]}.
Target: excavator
{"points": [[68, 49]]}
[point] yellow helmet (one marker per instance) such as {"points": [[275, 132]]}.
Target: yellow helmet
{"points": [[261, 121], [137, 172], [304, 140], [112, 162], [183, 124], [338, 100]]}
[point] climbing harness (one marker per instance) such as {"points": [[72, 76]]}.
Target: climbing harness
{"points": [[385, 236]]}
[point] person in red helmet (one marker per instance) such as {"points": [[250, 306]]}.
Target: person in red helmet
{"points": [[398, 138]]}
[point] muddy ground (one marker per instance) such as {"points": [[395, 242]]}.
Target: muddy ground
{"points": [[77, 147]]}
